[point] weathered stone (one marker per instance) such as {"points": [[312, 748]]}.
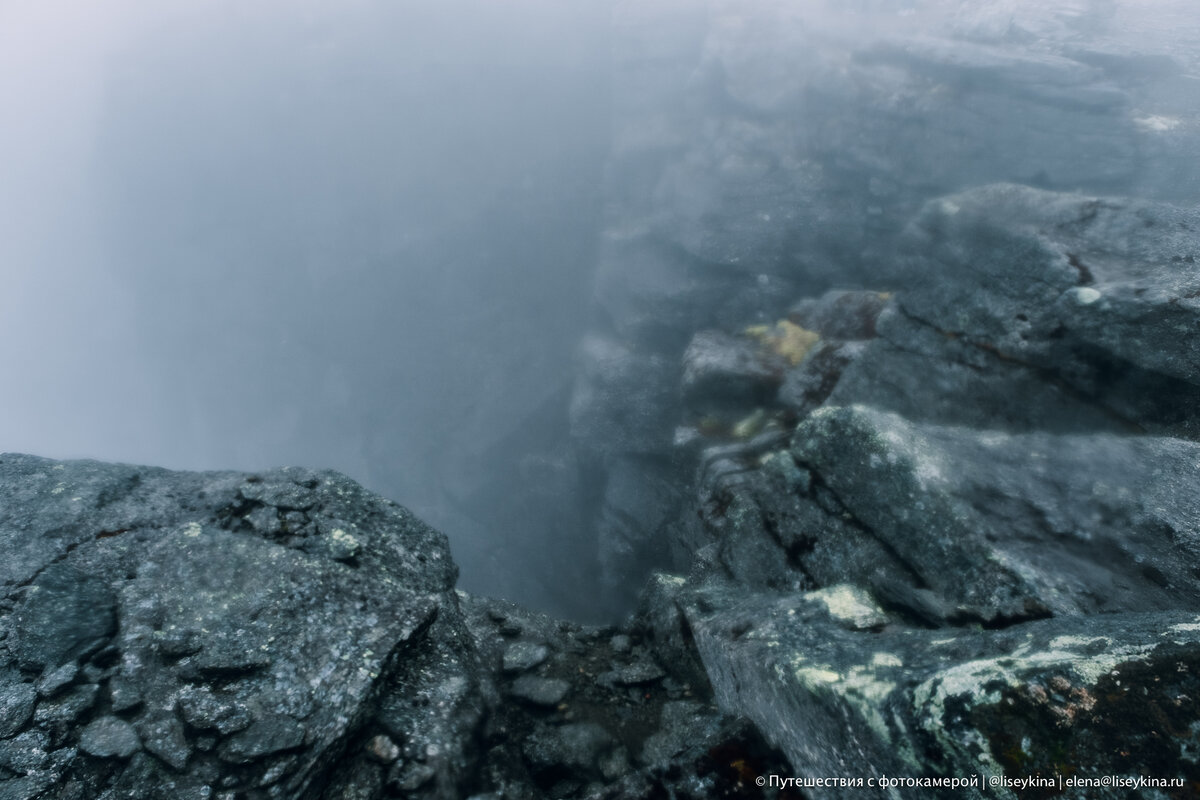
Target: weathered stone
{"points": [[383, 749], [523, 656], [63, 613], [17, 701], [265, 736], [539, 691], [163, 736], [236, 634], [850, 704], [25, 752], [54, 681], [109, 737]]}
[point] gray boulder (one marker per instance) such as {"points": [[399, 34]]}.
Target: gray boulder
{"points": [[1033, 309], [203, 630], [910, 709]]}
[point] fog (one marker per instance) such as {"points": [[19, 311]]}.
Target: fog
{"points": [[356, 235], [346, 235]]}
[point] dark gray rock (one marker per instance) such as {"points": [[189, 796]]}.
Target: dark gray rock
{"points": [[246, 659], [523, 656], [163, 736], [1012, 526], [63, 612], [1032, 309], [1034, 699], [17, 701], [637, 673], [576, 748], [267, 735], [25, 752], [540, 691], [55, 680], [109, 737], [63, 709]]}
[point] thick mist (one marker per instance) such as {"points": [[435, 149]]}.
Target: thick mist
{"points": [[354, 236], [365, 235]]}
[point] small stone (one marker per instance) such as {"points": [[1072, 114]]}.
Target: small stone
{"points": [[16, 707], [265, 520], [640, 672], [124, 694], [523, 656], [383, 749], [25, 752], [109, 737], [163, 737], [56, 680], [273, 733], [202, 709], [540, 691], [68, 706], [175, 642]]}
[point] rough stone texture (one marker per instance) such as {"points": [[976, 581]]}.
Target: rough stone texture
{"points": [[1032, 309], [769, 150], [572, 727], [242, 629], [1050, 697]]}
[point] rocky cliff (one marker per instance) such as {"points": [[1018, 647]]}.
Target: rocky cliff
{"points": [[886, 432]]}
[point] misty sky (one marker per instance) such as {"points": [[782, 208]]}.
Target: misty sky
{"points": [[198, 193]]}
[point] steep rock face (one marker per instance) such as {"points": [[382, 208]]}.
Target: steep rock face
{"points": [[288, 634], [769, 150], [973, 558]]}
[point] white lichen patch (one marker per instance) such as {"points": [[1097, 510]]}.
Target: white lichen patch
{"points": [[814, 677], [1085, 295], [1184, 627], [862, 689], [1065, 642], [192, 529], [58, 489], [980, 682], [849, 604], [887, 660]]}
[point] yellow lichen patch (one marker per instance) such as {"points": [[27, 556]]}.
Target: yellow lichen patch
{"points": [[751, 425], [786, 339]]}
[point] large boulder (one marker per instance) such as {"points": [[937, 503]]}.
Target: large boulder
{"points": [[174, 634], [1032, 309], [900, 712]]}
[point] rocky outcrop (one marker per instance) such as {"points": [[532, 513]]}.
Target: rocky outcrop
{"points": [[770, 151], [223, 635], [288, 634], [972, 559]]}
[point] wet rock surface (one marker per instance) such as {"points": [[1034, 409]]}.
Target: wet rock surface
{"points": [[196, 635], [914, 454], [214, 637]]}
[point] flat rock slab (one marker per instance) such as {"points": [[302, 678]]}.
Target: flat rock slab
{"points": [[1084, 697], [1005, 527]]}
